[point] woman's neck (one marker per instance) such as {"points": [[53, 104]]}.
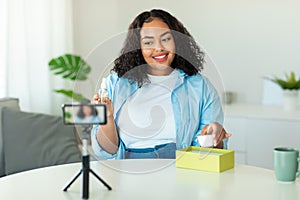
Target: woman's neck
{"points": [[160, 72]]}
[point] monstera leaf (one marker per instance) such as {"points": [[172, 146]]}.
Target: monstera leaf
{"points": [[69, 93], [70, 66]]}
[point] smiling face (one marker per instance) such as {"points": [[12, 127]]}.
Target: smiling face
{"points": [[158, 47], [87, 110]]}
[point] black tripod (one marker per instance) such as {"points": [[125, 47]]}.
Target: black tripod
{"points": [[85, 167]]}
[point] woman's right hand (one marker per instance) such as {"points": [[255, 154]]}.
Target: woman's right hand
{"points": [[107, 135], [107, 101]]}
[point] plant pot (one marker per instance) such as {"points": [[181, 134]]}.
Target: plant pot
{"points": [[290, 99]]}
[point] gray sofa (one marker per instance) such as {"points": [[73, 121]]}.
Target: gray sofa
{"points": [[33, 140]]}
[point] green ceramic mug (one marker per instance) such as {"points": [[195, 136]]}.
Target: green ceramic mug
{"points": [[286, 163]]}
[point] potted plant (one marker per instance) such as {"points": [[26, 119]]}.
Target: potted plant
{"points": [[70, 67], [291, 87]]}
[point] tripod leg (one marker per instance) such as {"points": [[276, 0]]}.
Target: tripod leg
{"points": [[85, 180], [100, 179], [72, 181], [85, 184]]}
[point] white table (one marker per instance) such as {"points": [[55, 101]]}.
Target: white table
{"points": [[166, 182]]}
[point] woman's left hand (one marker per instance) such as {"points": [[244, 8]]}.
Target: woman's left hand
{"points": [[215, 130]]}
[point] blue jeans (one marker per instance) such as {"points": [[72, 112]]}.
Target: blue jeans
{"points": [[166, 151]]}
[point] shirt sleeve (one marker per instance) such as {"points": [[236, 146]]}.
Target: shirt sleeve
{"points": [[101, 153], [210, 108], [98, 151]]}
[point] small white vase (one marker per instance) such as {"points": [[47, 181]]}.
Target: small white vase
{"points": [[290, 100]]}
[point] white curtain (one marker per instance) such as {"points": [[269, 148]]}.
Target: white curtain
{"points": [[31, 33]]}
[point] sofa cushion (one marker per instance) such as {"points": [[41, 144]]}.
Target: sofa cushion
{"points": [[34, 140], [12, 103]]}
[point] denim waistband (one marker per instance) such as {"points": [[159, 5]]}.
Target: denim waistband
{"points": [[147, 150]]}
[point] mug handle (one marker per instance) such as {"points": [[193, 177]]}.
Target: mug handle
{"points": [[298, 173]]}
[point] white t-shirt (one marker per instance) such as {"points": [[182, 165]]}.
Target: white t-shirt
{"points": [[146, 118]]}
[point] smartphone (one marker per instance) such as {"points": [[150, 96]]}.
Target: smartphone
{"points": [[84, 114]]}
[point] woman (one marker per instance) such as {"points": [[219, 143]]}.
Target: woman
{"points": [[157, 100], [87, 114]]}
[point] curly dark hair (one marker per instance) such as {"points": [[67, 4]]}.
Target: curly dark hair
{"points": [[131, 64]]}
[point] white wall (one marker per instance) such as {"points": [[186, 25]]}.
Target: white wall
{"points": [[246, 39]]}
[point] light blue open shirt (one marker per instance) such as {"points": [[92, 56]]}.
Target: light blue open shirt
{"points": [[195, 104]]}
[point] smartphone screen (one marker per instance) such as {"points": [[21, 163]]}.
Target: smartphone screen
{"points": [[84, 114]]}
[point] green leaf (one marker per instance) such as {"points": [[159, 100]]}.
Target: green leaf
{"points": [[73, 95], [292, 77], [68, 115], [70, 67], [298, 85]]}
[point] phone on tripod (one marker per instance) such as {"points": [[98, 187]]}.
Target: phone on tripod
{"points": [[84, 114]]}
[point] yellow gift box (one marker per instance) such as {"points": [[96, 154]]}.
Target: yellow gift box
{"points": [[205, 159]]}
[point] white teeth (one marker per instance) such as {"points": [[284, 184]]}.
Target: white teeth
{"points": [[160, 57]]}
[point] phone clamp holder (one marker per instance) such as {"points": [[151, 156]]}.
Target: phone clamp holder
{"points": [[86, 166]]}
